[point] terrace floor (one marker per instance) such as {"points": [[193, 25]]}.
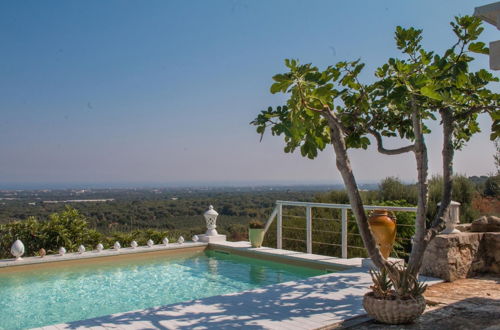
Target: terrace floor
{"points": [[465, 304]]}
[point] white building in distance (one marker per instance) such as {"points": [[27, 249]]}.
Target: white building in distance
{"points": [[491, 14]]}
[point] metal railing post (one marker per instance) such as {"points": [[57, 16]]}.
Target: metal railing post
{"points": [[309, 229], [279, 229], [344, 233], [271, 219]]}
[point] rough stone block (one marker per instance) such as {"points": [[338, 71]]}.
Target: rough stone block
{"points": [[492, 257], [463, 255], [463, 227], [486, 224], [454, 256]]}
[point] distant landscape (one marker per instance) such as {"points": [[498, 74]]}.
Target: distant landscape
{"points": [[155, 208], [141, 213]]}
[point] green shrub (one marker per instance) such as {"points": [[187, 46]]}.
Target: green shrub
{"points": [[70, 229], [463, 191], [67, 228], [392, 189], [492, 186]]}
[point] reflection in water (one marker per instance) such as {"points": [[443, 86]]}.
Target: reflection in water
{"points": [[257, 274], [280, 277], [212, 266]]}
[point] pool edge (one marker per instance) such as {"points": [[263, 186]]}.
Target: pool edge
{"points": [[87, 257]]}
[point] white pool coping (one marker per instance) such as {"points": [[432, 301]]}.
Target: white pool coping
{"points": [[311, 303], [327, 261], [97, 254]]}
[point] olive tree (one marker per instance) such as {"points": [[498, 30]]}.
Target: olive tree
{"points": [[332, 106]]}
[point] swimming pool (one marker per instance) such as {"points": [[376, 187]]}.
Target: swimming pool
{"points": [[60, 292]]}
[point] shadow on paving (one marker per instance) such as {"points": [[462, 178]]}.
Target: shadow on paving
{"points": [[264, 307]]}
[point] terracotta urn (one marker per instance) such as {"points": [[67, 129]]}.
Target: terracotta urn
{"points": [[42, 252], [383, 227]]}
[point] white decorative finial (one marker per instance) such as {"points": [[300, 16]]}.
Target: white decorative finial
{"points": [[452, 218], [150, 243], [99, 247], [211, 219], [117, 246], [17, 249], [62, 251], [165, 241], [133, 244], [180, 240], [195, 238], [81, 249]]}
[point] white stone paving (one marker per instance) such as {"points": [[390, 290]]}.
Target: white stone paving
{"points": [[334, 262], [307, 304]]}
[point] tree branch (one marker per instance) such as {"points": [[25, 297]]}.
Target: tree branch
{"points": [[326, 112], [345, 169], [473, 110], [382, 150], [307, 106]]}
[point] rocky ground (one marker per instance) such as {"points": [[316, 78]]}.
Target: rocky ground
{"points": [[465, 304]]}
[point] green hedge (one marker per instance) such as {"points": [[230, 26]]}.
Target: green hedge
{"points": [[70, 229]]}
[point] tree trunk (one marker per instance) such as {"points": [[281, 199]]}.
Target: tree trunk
{"points": [[344, 167], [448, 153], [418, 248], [437, 225]]}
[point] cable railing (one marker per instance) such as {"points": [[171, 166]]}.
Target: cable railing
{"points": [[277, 214]]}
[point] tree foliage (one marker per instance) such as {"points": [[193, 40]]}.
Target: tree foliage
{"points": [[492, 186], [333, 106]]}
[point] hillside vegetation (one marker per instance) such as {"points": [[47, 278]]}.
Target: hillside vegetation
{"points": [[141, 215]]}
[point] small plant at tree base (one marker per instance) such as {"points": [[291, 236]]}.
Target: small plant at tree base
{"points": [[405, 284], [256, 224], [381, 283]]}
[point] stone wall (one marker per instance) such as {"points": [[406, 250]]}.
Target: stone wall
{"points": [[491, 242], [462, 255]]}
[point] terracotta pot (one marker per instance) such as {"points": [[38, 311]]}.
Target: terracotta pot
{"points": [[393, 311], [256, 236], [383, 227]]}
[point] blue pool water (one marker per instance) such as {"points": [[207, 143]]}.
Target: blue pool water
{"points": [[68, 293]]}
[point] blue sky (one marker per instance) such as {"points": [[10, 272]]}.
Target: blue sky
{"points": [[163, 91]]}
